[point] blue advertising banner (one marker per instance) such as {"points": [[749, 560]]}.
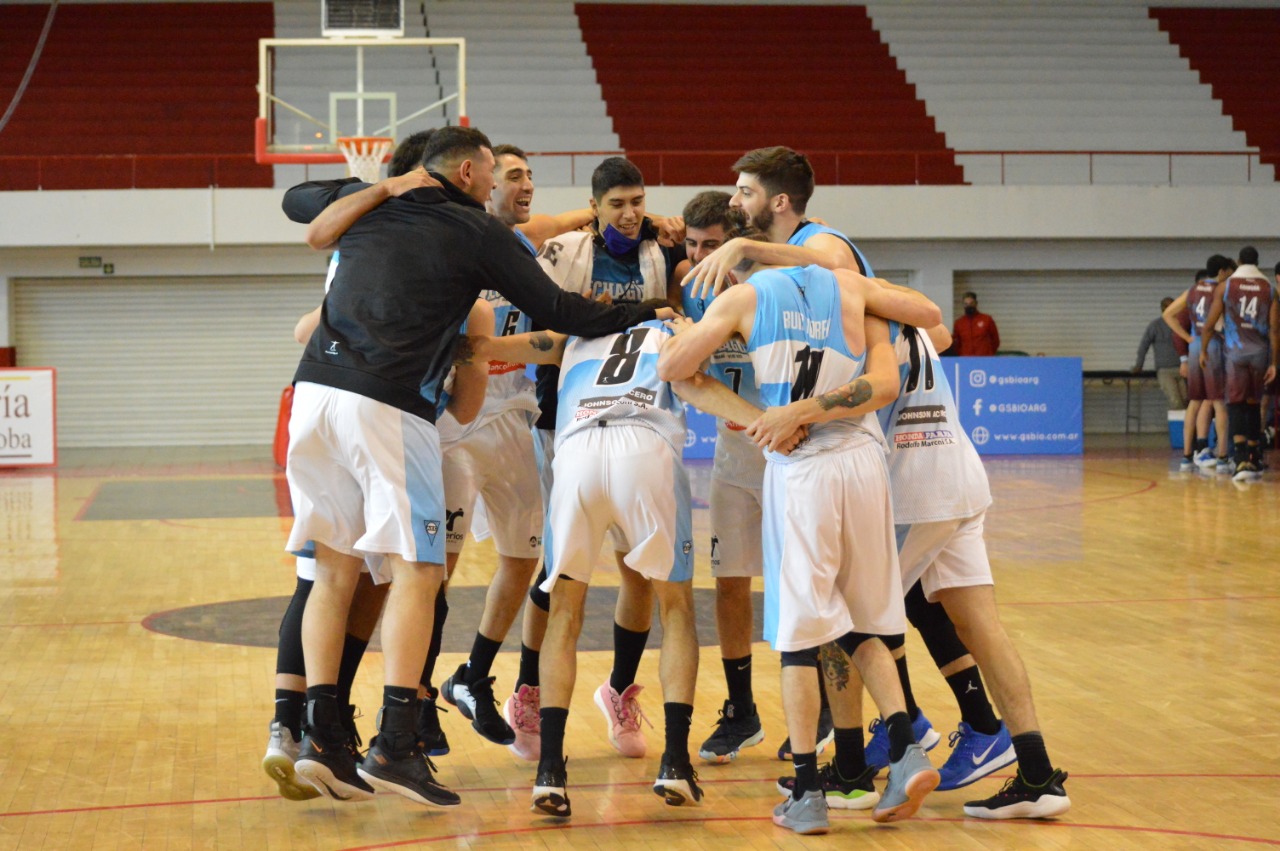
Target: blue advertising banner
{"points": [[700, 434], [1020, 406]]}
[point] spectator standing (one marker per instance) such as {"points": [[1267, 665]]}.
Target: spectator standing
{"points": [[975, 333], [1159, 337]]}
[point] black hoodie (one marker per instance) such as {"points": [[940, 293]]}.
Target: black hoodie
{"points": [[408, 274]]}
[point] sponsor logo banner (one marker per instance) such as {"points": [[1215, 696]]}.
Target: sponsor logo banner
{"points": [[1020, 405]]}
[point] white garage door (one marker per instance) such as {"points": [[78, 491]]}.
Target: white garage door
{"points": [[1095, 315], [164, 361]]}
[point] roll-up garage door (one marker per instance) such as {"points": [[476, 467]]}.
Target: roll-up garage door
{"points": [[164, 361]]}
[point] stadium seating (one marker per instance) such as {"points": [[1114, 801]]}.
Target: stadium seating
{"points": [[711, 81], [133, 95], [1034, 76], [1237, 52]]}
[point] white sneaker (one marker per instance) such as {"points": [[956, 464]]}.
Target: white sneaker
{"points": [[282, 752]]}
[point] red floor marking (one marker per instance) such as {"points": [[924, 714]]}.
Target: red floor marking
{"points": [[1039, 825], [770, 779], [1228, 599], [73, 623], [1152, 484]]}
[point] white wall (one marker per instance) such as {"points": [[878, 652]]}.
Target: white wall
{"points": [[932, 231]]}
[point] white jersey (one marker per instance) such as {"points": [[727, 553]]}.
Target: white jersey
{"points": [[798, 349], [934, 470], [614, 379]]}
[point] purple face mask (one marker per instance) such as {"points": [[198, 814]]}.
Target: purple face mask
{"points": [[617, 242]]}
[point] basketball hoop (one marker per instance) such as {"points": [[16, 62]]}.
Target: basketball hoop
{"points": [[365, 155]]}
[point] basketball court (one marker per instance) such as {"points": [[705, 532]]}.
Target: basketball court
{"points": [[143, 589]]}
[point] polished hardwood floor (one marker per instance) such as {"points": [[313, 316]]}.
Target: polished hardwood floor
{"points": [[139, 591]]}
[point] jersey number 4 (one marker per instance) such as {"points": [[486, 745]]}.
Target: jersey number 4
{"points": [[620, 365]]}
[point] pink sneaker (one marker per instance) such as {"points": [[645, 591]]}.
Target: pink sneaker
{"points": [[624, 715], [521, 712]]}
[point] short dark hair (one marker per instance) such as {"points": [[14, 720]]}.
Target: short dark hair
{"points": [[781, 171], [1248, 256], [408, 155], [1217, 262], [504, 150], [1278, 270], [1202, 274], [710, 208], [451, 143], [971, 294], [612, 173]]}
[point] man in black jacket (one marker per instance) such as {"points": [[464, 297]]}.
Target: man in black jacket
{"points": [[364, 457]]}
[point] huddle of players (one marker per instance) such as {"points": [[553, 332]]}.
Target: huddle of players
{"points": [[812, 514], [1233, 345]]}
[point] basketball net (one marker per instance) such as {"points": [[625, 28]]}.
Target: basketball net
{"points": [[364, 155]]}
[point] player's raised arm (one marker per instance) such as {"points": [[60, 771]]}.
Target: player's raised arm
{"points": [[714, 273], [890, 301], [334, 220]]}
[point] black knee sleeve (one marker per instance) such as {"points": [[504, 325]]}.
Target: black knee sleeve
{"points": [[800, 658], [1237, 421], [289, 658], [540, 598], [851, 641], [935, 627]]}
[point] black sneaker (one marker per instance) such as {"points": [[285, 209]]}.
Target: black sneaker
{"points": [[431, 738], [478, 705], [857, 794], [326, 762], [550, 791], [826, 735], [735, 730], [1019, 799], [678, 784], [405, 772]]}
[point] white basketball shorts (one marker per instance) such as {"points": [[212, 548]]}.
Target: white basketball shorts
{"points": [[496, 461], [364, 478], [944, 554], [830, 558], [621, 476], [735, 530]]}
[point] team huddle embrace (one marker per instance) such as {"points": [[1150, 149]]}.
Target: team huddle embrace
{"points": [[841, 476]]}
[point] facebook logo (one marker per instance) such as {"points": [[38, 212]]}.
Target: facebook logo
{"points": [[977, 407]]}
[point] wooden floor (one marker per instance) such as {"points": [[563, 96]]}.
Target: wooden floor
{"points": [[1146, 605]]}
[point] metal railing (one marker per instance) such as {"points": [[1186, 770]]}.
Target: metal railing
{"points": [[147, 171]]}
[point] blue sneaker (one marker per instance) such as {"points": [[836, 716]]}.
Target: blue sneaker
{"points": [[877, 753], [974, 756]]}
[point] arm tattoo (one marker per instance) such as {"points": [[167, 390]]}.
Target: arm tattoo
{"points": [[464, 353], [835, 666], [846, 396], [541, 341]]}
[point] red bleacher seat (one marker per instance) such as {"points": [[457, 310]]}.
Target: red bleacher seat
{"points": [[147, 95], [701, 80], [1235, 52]]}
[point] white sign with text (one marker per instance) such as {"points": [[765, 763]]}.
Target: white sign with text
{"points": [[28, 417]]}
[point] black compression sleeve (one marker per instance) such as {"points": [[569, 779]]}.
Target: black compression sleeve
{"points": [[305, 201]]}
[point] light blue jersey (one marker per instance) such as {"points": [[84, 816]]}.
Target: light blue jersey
{"points": [[934, 470], [808, 230], [799, 350], [615, 379], [731, 363]]}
